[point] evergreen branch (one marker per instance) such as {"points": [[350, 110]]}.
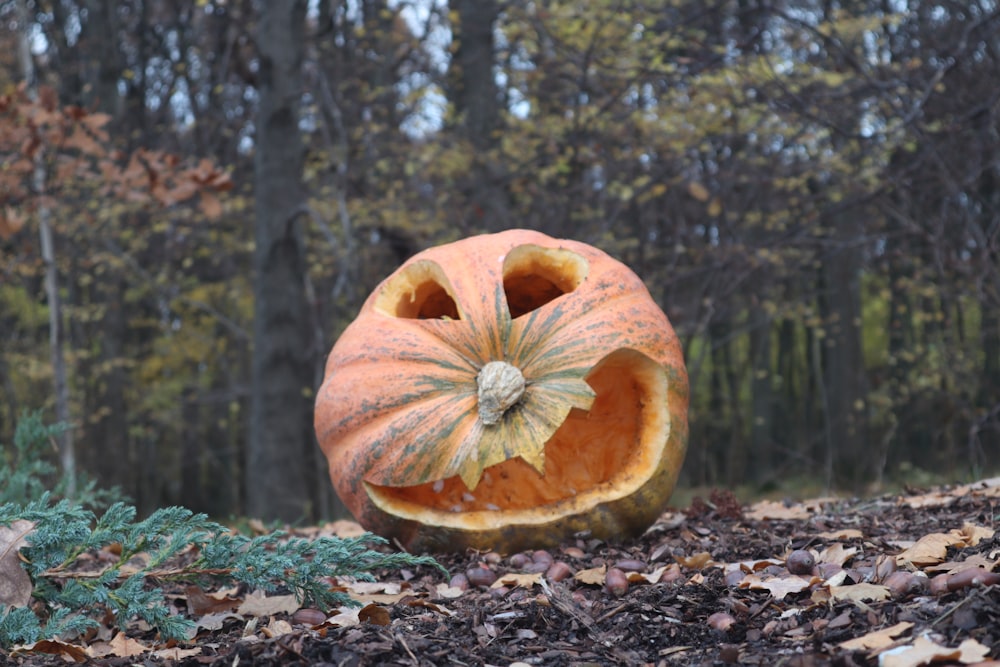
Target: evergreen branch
{"points": [[155, 550]]}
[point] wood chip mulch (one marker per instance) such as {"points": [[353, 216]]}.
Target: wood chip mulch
{"points": [[897, 581]]}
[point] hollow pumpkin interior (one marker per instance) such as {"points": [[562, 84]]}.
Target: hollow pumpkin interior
{"points": [[607, 451]]}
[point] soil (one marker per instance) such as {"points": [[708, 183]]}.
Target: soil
{"points": [[709, 585]]}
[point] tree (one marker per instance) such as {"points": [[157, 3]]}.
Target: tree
{"points": [[279, 443]]}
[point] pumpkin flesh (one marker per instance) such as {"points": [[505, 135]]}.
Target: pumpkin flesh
{"points": [[594, 440]]}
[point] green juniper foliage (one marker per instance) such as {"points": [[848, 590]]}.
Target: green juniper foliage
{"points": [[175, 544], [26, 472], [172, 544]]}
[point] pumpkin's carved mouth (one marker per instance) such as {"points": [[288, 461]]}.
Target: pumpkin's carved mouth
{"points": [[595, 456]]}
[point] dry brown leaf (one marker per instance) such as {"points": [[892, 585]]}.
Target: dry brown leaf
{"points": [[654, 576], [989, 488], [973, 562], [973, 534], [421, 602], [771, 509], [124, 647], [593, 576], [344, 618], [258, 604], [513, 580], [836, 553], [842, 534], [448, 592], [876, 640], [15, 584], [930, 549], [176, 653], [212, 622], [374, 614], [69, 652], [343, 528], [698, 561], [380, 592], [924, 500], [201, 603], [860, 592], [276, 628], [753, 565], [779, 587], [923, 651]]}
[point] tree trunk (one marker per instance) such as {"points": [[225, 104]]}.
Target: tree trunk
{"points": [[762, 396], [843, 363], [280, 443], [473, 92], [57, 353], [474, 88]]}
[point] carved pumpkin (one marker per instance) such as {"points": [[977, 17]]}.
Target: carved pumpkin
{"points": [[505, 391]]}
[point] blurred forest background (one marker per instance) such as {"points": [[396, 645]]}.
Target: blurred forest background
{"points": [[197, 195]]}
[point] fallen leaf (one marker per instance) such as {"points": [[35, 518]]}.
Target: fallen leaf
{"points": [[877, 639], [200, 603], [923, 651], [259, 604], [421, 602], [752, 565], [513, 580], [374, 614], [973, 534], [593, 576], [346, 617], [771, 509], [176, 653], [54, 647], [860, 592], [124, 647], [15, 584], [696, 579], [276, 628], [842, 534], [836, 553], [654, 576], [448, 592], [380, 592], [212, 622], [989, 488], [975, 561], [698, 561], [930, 549], [779, 587], [343, 528]]}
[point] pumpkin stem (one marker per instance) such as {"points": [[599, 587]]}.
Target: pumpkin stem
{"points": [[500, 386]]}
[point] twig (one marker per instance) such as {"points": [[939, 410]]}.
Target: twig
{"points": [[975, 594], [402, 641]]}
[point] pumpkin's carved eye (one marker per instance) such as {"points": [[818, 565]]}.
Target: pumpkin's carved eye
{"points": [[420, 291], [534, 276]]}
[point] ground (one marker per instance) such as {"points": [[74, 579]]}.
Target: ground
{"points": [[899, 581]]}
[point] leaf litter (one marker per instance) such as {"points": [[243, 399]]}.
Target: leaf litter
{"points": [[897, 581]]}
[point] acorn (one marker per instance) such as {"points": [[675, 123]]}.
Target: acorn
{"points": [[800, 561], [616, 582]]}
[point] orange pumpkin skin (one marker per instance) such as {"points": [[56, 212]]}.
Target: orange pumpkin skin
{"points": [[588, 434]]}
